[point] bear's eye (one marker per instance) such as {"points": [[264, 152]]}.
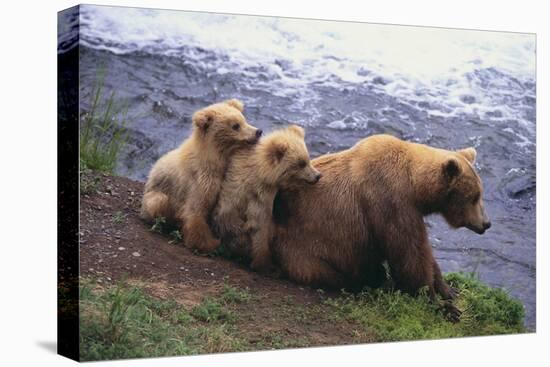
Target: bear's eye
{"points": [[236, 127], [302, 164]]}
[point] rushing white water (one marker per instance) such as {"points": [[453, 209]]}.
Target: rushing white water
{"points": [[433, 65]]}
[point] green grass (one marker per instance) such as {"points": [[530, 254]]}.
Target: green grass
{"points": [[89, 180], [395, 316], [124, 322], [102, 131]]}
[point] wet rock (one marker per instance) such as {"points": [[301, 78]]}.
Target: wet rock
{"points": [[283, 64], [468, 99], [531, 101], [495, 113], [337, 125], [520, 186], [379, 80], [363, 72]]}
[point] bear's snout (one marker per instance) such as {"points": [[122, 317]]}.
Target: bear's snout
{"points": [[480, 229], [317, 177], [256, 134]]}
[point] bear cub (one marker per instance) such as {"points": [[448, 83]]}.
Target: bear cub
{"points": [[243, 214], [184, 184]]}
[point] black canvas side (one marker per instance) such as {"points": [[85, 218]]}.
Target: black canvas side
{"points": [[68, 184]]}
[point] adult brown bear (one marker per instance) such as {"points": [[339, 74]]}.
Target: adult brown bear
{"points": [[369, 208]]}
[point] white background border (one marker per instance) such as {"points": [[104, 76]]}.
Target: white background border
{"points": [[28, 181]]}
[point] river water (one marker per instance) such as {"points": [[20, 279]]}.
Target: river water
{"points": [[342, 81]]}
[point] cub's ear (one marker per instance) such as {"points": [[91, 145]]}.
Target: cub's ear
{"points": [[235, 103], [451, 168], [469, 153], [297, 130], [276, 151], [203, 119]]}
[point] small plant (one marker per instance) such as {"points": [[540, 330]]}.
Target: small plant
{"points": [[102, 133], [176, 236], [118, 217], [158, 225], [162, 226], [211, 310], [234, 295], [89, 182]]}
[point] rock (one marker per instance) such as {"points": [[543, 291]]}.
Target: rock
{"points": [[379, 80], [121, 248], [468, 99], [363, 72], [337, 125], [136, 254]]}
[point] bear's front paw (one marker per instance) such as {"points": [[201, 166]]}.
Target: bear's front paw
{"points": [[453, 293], [451, 312], [446, 292]]}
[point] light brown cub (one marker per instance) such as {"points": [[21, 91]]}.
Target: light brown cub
{"points": [[243, 214], [184, 184]]}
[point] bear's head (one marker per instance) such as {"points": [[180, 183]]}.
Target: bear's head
{"points": [[463, 204], [287, 158], [224, 125]]}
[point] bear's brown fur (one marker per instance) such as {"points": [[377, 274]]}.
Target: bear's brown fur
{"points": [[369, 208], [243, 214], [184, 184]]}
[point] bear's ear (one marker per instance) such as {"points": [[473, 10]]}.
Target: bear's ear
{"points": [[276, 151], [451, 169], [469, 153], [297, 130], [235, 103], [203, 119]]}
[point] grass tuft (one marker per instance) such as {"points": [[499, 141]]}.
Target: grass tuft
{"points": [[395, 316], [124, 322], [102, 131]]}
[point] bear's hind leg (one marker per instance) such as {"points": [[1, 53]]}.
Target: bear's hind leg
{"points": [[313, 271], [155, 204]]}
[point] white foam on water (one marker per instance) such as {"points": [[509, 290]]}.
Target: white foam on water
{"points": [[416, 63]]}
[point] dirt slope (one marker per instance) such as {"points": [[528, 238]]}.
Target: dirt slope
{"points": [[117, 246]]}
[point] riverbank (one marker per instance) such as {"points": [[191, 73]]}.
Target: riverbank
{"points": [[144, 294]]}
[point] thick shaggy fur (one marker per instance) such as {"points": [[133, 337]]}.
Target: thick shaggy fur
{"points": [[369, 208], [243, 214], [184, 184]]}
